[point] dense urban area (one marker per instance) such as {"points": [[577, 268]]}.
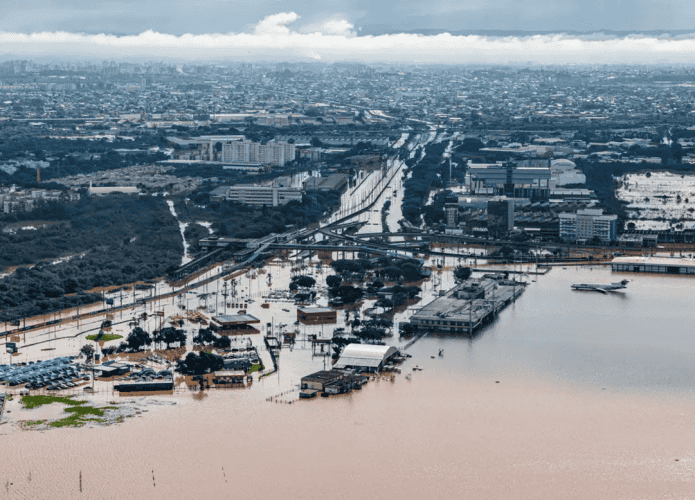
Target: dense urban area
{"points": [[174, 228]]}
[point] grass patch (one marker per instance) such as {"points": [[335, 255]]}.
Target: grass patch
{"points": [[255, 368], [30, 402], [80, 413], [107, 337]]}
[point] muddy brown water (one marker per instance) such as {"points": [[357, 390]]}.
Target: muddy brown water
{"points": [[566, 394]]}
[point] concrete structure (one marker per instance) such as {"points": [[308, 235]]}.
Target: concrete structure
{"points": [[237, 150], [452, 214], [662, 265], [467, 306], [336, 182], [145, 386], [332, 382], [365, 357], [500, 216], [587, 224], [258, 196], [525, 179], [229, 377], [317, 316], [112, 369], [240, 323], [104, 190]]}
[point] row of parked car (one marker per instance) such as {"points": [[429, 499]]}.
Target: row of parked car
{"points": [[40, 374], [148, 375]]}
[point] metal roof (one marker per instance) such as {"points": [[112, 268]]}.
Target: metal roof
{"points": [[365, 355]]}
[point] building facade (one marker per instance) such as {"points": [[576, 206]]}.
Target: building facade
{"points": [[500, 216], [258, 196], [588, 224], [514, 180]]}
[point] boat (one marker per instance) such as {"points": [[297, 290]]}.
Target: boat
{"points": [[602, 288]]}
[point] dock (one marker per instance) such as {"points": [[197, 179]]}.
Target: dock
{"points": [[468, 306]]}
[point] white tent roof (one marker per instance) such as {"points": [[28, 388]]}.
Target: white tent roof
{"points": [[365, 355]]}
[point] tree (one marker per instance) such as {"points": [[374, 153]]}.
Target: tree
{"points": [[304, 281], [204, 362], [137, 339], [462, 273], [170, 335], [333, 281]]}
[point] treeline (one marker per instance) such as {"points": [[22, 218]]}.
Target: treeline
{"points": [[424, 177], [114, 240], [244, 221]]}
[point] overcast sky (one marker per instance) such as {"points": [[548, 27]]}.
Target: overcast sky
{"points": [[178, 17], [330, 29]]}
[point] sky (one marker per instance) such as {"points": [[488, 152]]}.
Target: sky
{"points": [[333, 30]]}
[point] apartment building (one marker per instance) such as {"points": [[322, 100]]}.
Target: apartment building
{"points": [[587, 224]]}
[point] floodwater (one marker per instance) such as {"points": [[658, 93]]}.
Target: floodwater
{"points": [[566, 394]]}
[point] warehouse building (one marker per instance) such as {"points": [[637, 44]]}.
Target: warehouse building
{"points": [[365, 357], [662, 265]]}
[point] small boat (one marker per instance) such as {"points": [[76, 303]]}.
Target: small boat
{"points": [[286, 310], [441, 353]]}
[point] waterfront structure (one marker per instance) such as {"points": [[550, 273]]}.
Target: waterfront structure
{"points": [[365, 357], [467, 306], [588, 224], [524, 179], [500, 216], [331, 382], [317, 316], [662, 265]]}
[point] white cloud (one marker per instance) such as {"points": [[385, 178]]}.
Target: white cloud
{"points": [[276, 24], [331, 27], [334, 40]]}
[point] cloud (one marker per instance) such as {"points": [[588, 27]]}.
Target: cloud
{"points": [[335, 40], [339, 27], [276, 24]]}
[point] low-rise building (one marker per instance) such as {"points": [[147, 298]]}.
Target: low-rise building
{"points": [[317, 316]]}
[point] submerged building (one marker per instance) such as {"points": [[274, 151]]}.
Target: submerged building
{"points": [[365, 357]]}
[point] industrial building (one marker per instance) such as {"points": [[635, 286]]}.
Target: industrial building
{"points": [[235, 323], [258, 196], [332, 382], [317, 316], [524, 179], [588, 224], [662, 265], [467, 306], [365, 357]]}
